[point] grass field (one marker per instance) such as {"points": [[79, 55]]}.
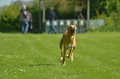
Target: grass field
{"points": [[36, 56]]}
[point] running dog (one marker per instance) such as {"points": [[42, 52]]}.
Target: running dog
{"points": [[68, 41]]}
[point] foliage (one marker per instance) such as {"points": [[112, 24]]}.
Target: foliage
{"points": [[34, 9], [113, 10], [9, 18], [108, 10], [65, 9], [109, 23]]}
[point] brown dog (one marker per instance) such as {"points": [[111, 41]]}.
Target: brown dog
{"points": [[68, 41]]}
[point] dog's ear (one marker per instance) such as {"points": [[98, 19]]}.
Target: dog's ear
{"points": [[76, 28], [68, 28]]}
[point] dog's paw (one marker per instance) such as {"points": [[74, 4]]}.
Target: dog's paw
{"points": [[71, 59], [63, 64], [61, 59]]}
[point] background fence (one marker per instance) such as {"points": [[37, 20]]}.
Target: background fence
{"points": [[82, 26], [61, 25], [94, 24]]}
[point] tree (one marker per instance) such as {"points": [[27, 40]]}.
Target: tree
{"points": [[108, 10]]}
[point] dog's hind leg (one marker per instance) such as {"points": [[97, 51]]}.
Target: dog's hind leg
{"points": [[61, 58], [71, 58], [63, 63]]}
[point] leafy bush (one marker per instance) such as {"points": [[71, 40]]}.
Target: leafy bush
{"points": [[10, 19], [10, 16], [112, 22], [65, 9]]}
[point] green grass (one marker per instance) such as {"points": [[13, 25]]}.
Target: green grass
{"points": [[36, 56]]}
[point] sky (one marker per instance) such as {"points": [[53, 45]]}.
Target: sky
{"points": [[7, 2]]}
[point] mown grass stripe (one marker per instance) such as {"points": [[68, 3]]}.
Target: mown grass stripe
{"points": [[36, 56]]}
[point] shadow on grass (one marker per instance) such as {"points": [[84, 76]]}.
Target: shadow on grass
{"points": [[42, 65]]}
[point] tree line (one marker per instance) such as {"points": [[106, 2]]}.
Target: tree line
{"points": [[65, 9]]}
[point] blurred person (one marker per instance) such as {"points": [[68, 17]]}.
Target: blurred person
{"points": [[29, 19], [52, 17], [23, 19]]}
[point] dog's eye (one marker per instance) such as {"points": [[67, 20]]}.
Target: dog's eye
{"points": [[74, 27]]}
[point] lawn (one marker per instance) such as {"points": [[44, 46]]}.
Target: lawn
{"points": [[36, 56]]}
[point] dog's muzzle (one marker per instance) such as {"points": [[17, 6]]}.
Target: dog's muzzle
{"points": [[72, 31]]}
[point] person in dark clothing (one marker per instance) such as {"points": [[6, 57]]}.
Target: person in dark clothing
{"points": [[23, 19], [52, 17]]}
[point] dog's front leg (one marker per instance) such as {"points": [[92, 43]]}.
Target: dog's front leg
{"points": [[71, 54], [61, 58], [64, 53]]}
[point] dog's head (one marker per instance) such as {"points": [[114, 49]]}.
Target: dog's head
{"points": [[72, 29]]}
